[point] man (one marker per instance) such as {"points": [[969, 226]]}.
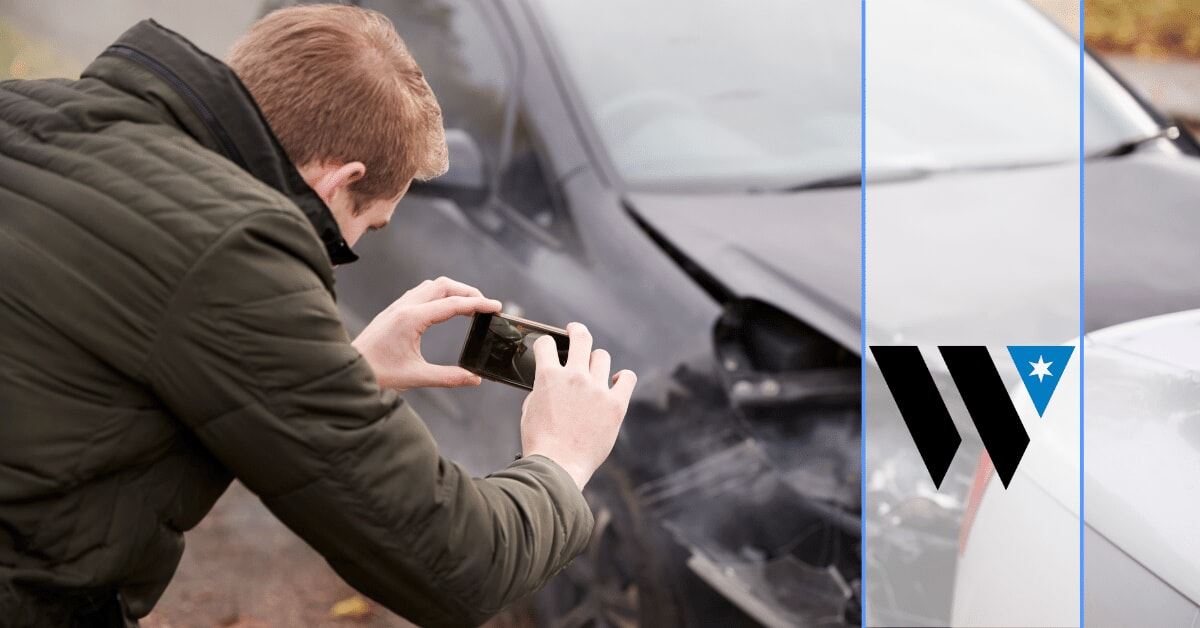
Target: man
{"points": [[167, 239]]}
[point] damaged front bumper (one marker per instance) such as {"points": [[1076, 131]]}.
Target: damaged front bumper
{"points": [[756, 470], [779, 556]]}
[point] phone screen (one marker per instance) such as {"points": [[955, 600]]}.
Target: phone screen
{"points": [[500, 348]]}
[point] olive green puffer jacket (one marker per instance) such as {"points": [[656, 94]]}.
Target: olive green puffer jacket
{"points": [[167, 323]]}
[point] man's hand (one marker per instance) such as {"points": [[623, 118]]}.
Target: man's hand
{"points": [[392, 342], [572, 416]]}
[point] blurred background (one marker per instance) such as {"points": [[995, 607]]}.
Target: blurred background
{"points": [[1154, 44]]}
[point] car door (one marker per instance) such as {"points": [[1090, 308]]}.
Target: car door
{"points": [[489, 240]]}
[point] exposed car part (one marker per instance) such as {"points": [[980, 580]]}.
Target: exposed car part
{"points": [[769, 358], [739, 460]]}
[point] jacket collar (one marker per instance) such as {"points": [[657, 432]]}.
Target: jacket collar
{"points": [[230, 122]]}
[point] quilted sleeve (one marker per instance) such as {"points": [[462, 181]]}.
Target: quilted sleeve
{"points": [[254, 359]]}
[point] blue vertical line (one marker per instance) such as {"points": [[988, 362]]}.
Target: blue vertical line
{"points": [[862, 307], [1082, 307]]}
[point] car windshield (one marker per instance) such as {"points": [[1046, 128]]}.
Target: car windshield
{"points": [[682, 100]]}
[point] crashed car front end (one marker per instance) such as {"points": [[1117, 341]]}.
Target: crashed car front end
{"points": [[760, 483]]}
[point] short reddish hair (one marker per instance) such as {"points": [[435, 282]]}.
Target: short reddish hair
{"points": [[337, 84]]}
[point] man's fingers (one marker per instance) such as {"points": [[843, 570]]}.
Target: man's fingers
{"points": [[580, 352], [444, 309], [600, 366], [447, 376], [623, 383], [440, 288], [545, 353]]}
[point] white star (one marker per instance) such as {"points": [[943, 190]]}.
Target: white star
{"points": [[1041, 369]]}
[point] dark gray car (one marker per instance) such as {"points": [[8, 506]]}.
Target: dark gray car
{"points": [[575, 200], [691, 192]]}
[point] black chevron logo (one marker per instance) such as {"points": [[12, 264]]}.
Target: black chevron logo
{"points": [[925, 414]]}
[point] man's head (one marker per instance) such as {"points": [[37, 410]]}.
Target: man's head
{"points": [[349, 105]]}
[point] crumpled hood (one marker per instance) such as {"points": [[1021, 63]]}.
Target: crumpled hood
{"points": [[1007, 250], [797, 251]]}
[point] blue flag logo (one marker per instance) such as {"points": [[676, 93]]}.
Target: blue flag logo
{"points": [[1040, 366]]}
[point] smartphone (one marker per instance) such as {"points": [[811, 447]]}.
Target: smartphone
{"points": [[500, 348]]}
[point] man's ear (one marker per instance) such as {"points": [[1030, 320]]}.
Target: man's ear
{"points": [[331, 179]]}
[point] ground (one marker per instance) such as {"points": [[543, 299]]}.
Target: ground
{"points": [[242, 568]]}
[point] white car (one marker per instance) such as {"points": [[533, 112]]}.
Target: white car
{"points": [[1142, 498]]}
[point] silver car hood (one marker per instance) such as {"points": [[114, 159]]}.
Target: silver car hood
{"points": [[1142, 432], [1142, 445]]}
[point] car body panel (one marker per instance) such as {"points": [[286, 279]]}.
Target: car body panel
{"points": [[1014, 557], [1142, 431], [1120, 592], [1142, 460], [1142, 228], [806, 261]]}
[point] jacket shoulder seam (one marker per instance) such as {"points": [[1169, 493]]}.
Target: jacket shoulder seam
{"points": [[172, 301]]}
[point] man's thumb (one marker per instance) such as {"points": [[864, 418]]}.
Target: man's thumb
{"points": [[447, 376]]}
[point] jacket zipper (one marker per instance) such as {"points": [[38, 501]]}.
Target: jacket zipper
{"points": [[185, 91]]}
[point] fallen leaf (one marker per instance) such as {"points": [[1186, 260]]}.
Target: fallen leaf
{"points": [[353, 607]]}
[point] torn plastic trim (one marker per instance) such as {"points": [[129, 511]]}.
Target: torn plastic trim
{"points": [[728, 511]]}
